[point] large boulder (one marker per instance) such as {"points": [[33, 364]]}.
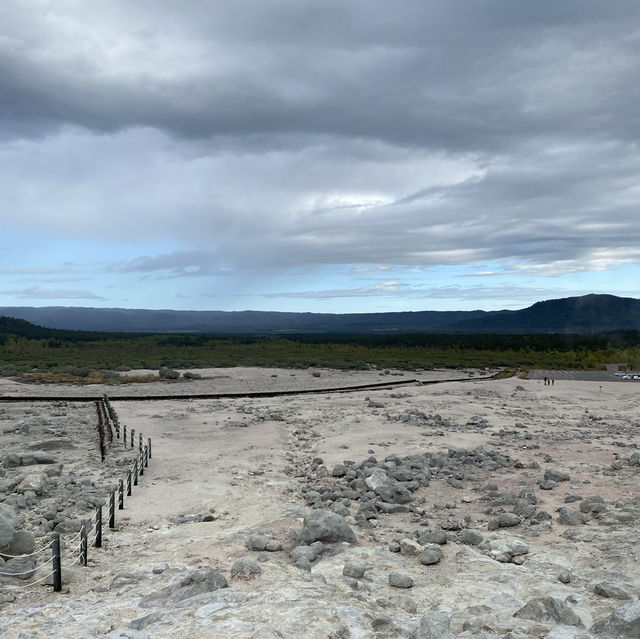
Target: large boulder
{"points": [[327, 526]]}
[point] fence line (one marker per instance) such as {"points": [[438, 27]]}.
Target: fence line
{"points": [[107, 422]]}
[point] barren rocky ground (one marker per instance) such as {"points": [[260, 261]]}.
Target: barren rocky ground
{"points": [[484, 508]]}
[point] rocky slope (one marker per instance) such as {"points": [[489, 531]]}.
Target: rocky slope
{"points": [[484, 509]]}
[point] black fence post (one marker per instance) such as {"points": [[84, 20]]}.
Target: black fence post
{"points": [[83, 544], [120, 495], [140, 442], [112, 510], [146, 456], [141, 462], [124, 435], [128, 483], [57, 566], [135, 471], [99, 527], [133, 434], [149, 446]]}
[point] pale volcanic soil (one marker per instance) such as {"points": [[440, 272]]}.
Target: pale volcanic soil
{"points": [[224, 470]]}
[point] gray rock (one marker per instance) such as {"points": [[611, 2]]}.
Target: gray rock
{"points": [[410, 547], [256, 542], [435, 625], [504, 520], [594, 504], [356, 571], [622, 623], [432, 537], [552, 474], [36, 457], [158, 569], [548, 610], [338, 470], [37, 482], [400, 580], [273, 545], [564, 576], [126, 579], [244, 568], [194, 583], [143, 622], [611, 590], [569, 517], [388, 489], [324, 525], [470, 537], [7, 528], [23, 543], [308, 553], [20, 567], [432, 554]]}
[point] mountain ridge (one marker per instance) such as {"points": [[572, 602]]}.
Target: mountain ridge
{"points": [[592, 313]]}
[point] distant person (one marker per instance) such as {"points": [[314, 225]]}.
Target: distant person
{"points": [[553, 380], [545, 381]]}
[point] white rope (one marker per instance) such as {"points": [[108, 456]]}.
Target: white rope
{"points": [[16, 574], [73, 563], [70, 541], [34, 583], [35, 552]]}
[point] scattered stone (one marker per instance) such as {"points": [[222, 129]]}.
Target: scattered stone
{"points": [[388, 489], [324, 525], [611, 590], [245, 568], [194, 583], [143, 622], [569, 517], [504, 520], [548, 610], [400, 580], [410, 547], [564, 576], [356, 571], [435, 625], [432, 537], [552, 474], [622, 623], [470, 537], [432, 554]]}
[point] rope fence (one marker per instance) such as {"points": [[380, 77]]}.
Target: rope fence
{"points": [[76, 549]]}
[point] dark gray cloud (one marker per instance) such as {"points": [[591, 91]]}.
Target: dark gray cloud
{"points": [[286, 135], [176, 264]]}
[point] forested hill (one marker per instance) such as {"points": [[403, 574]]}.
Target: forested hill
{"points": [[586, 314]]}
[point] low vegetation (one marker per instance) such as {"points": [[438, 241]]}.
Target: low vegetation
{"points": [[43, 355]]}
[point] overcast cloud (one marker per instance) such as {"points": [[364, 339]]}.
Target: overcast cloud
{"points": [[329, 156]]}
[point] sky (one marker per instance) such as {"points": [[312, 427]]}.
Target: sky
{"points": [[319, 156]]}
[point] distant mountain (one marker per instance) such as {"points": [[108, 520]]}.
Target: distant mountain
{"points": [[586, 314]]}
